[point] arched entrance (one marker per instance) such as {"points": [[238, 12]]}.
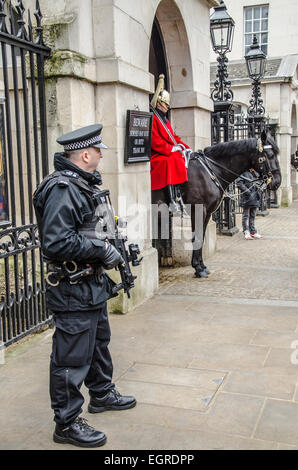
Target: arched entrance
{"points": [[157, 55]]}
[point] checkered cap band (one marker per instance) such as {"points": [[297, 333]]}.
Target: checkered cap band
{"points": [[81, 144]]}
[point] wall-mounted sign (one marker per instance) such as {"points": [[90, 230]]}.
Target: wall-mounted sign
{"points": [[138, 136]]}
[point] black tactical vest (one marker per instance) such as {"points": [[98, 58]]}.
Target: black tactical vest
{"points": [[98, 221]]}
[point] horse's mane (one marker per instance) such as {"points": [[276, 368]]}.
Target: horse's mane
{"points": [[227, 149]]}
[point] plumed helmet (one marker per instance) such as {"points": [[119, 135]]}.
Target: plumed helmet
{"points": [[164, 97], [161, 95]]}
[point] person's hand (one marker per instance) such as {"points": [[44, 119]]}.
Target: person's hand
{"points": [[112, 257]]}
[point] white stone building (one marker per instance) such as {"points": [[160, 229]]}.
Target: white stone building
{"points": [[106, 57], [276, 26]]}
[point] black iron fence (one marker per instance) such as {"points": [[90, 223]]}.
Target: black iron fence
{"points": [[23, 163]]}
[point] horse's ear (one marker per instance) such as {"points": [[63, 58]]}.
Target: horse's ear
{"points": [[264, 136]]}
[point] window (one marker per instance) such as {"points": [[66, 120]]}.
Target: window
{"points": [[256, 23]]}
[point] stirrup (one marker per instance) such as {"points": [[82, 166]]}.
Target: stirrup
{"points": [[173, 207], [175, 201]]}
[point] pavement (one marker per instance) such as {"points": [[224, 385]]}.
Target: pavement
{"points": [[212, 362]]}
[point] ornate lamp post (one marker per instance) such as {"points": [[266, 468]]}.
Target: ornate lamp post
{"points": [[255, 62], [222, 32]]}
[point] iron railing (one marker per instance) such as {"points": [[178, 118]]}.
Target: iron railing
{"points": [[23, 163]]}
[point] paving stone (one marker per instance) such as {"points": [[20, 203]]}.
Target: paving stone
{"points": [[177, 396], [275, 339], [282, 358], [278, 422], [166, 416], [261, 383], [143, 436], [235, 414], [175, 376], [228, 356]]}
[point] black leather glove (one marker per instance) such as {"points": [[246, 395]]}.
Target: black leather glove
{"points": [[111, 258]]}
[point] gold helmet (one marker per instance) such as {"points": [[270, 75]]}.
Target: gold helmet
{"points": [[161, 95]]}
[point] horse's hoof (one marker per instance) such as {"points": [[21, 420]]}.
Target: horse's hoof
{"points": [[202, 274], [207, 271]]}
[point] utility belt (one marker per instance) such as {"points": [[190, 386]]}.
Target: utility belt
{"points": [[72, 272]]}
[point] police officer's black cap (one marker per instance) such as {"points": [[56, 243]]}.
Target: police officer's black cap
{"points": [[89, 136]]}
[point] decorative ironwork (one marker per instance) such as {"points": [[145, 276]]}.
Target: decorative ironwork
{"points": [[222, 94], [256, 110], [30, 28], [24, 148], [11, 20], [22, 34], [39, 29]]}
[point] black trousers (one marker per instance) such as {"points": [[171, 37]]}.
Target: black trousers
{"points": [[79, 354], [248, 219]]}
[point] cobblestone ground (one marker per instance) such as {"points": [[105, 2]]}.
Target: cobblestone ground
{"points": [[212, 362], [249, 269]]}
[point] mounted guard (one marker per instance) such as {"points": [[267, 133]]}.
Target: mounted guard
{"points": [[169, 154]]}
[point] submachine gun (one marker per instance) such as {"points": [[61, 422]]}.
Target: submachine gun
{"points": [[107, 228]]}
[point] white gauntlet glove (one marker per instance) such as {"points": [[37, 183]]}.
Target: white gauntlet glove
{"points": [[186, 155]]}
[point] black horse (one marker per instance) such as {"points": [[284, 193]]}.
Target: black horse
{"points": [[209, 175]]}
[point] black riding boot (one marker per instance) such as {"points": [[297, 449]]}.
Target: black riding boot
{"points": [[171, 196], [180, 202]]}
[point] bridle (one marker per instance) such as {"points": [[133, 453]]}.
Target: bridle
{"points": [[264, 168]]}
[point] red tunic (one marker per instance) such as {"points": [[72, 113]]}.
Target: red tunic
{"points": [[167, 167]]}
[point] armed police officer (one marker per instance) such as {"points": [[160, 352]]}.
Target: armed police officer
{"points": [[65, 205]]}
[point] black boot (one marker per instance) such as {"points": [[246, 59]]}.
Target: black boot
{"points": [[181, 202], [80, 434], [113, 400], [171, 197]]}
